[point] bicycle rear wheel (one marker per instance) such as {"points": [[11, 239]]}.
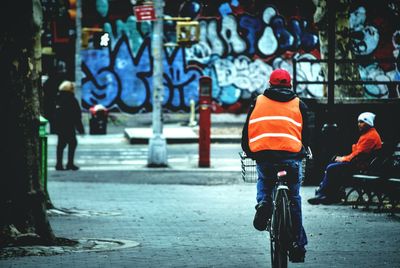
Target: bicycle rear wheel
{"points": [[280, 230]]}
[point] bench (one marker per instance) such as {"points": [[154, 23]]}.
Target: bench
{"points": [[393, 193], [378, 184]]}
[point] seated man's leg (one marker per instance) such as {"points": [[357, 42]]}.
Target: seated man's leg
{"points": [[336, 174], [331, 183]]}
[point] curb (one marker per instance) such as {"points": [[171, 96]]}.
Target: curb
{"points": [[178, 136], [145, 140], [83, 245], [194, 176]]}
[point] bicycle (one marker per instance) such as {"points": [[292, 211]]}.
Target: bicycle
{"points": [[280, 225]]}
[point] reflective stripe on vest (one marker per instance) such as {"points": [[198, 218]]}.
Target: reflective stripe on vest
{"points": [[275, 125]]}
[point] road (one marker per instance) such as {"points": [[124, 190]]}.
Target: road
{"points": [[113, 152], [205, 226], [190, 217]]}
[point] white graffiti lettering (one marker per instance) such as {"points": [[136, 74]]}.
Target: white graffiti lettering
{"points": [[230, 33], [243, 73], [268, 44]]}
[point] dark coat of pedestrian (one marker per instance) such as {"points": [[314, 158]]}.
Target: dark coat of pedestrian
{"points": [[68, 120], [50, 92]]}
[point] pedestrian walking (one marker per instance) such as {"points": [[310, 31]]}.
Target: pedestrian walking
{"points": [[68, 120], [276, 132]]}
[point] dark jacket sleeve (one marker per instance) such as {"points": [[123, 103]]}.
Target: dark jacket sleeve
{"points": [[245, 135], [305, 134], [78, 117]]}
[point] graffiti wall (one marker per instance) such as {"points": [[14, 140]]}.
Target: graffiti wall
{"points": [[237, 49]]}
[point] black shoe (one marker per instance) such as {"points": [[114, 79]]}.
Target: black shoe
{"points": [[72, 167], [59, 167], [331, 200], [320, 199], [297, 253], [262, 216], [324, 200]]}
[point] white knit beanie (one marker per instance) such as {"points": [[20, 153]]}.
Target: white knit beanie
{"points": [[67, 86], [367, 117]]}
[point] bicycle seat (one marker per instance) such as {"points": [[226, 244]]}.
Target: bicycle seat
{"points": [[284, 171], [281, 173]]}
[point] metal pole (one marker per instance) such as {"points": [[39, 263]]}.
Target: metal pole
{"points": [[78, 43], [330, 134], [295, 75], [157, 144], [331, 56]]}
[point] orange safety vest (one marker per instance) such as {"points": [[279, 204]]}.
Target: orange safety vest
{"points": [[275, 125]]}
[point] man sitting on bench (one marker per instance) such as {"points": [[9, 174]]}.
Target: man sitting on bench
{"points": [[369, 141]]}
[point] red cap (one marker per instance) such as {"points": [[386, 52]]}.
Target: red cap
{"points": [[280, 77]]}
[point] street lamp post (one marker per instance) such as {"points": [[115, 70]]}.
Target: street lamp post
{"points": [[78, 44], [331, 58], [331, 126], [330, 129], [157, 156]]}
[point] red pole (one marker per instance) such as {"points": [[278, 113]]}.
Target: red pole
{"points": [[204, 121]]}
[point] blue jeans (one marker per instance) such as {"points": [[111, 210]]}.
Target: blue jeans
{"points": [[266, 182], [333, 178]]}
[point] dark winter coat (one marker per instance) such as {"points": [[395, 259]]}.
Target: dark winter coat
{"points": [[50, 92], [68, 115], [281, 95]]}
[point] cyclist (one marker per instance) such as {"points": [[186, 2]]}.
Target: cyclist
{"points": [[276, 132]]}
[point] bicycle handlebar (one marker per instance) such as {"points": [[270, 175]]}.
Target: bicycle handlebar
{"points": [[309, 153]]}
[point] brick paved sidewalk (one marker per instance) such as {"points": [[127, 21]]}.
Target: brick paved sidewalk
{"points": [[205, 226]]}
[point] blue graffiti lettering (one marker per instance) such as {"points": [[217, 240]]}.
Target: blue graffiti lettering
{"points": [[252, 26]]}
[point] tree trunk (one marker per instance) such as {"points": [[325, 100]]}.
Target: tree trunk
{"points": [[23, 218], [343, 71]]}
